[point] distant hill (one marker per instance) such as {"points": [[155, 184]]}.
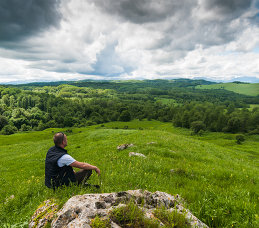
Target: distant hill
{"points": [[247, 79], [116, 84], [250, 89]]}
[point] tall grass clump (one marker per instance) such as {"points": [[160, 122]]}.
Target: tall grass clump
{"points": [[131, 215]]}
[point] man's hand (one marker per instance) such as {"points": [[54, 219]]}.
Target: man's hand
{"points": [[97, 170]]}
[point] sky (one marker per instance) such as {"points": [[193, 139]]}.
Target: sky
{"points": [[55, 40]]}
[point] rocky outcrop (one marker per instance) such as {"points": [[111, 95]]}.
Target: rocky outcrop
{"points": [[132, 154], [124, 146], [44, 214], [80, 210], [149, 143]]}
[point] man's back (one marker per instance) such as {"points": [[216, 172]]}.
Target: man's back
{"points": [[55, 175]]}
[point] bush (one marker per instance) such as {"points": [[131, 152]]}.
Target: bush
{"points": [[254, 132], [90, 123], [3, 121], [41, 126], [201, 132], [197, 126], [25, 127], [125, 116], [8, 130], [240, 139]]}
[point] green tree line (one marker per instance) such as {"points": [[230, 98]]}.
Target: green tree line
{"points": [[37, 108]]}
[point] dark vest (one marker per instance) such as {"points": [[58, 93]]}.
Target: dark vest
{"points": [[56, 176]]}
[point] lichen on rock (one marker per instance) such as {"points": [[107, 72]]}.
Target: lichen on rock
{"points": [[80, 210], [44, 214]]}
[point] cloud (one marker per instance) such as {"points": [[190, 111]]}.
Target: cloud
{"points": [[227, 7], [129, 39], [143, 11], [22, 18]]}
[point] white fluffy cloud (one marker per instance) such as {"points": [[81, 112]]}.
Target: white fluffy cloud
{"points": [[132, 39]]}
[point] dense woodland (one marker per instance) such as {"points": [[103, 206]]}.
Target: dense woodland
{"points": [[38, 106]]}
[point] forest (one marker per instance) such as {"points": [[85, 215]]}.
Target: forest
{"points": [[37, 106]]}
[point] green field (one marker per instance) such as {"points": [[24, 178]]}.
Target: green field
{"points": [[252, 106], [217, 178], [242, 88], [166, 101]]}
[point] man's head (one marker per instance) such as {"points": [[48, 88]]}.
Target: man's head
{"points": [[60, 139]]}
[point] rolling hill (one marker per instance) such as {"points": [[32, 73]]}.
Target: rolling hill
{"points": [[250, 89], [217, 177]]}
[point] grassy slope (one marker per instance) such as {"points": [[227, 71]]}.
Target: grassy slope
{"points": [[247, 89], [217, 178]]}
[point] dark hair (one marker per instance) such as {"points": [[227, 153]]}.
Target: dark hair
{"points": [[58, 138]]}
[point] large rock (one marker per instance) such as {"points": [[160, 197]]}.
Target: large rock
{"points": [[124, 146], [44, 214], [81, 209], [133, 154]]}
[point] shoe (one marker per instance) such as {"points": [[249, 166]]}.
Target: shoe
{"points": [[96, 186]]}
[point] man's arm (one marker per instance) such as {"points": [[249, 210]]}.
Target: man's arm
{"points": [[82, 165]]}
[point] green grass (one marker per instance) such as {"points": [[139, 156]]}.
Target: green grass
{"points": [[251, 89], [252, 106], [131, 215], [167, 101], [217, 178]]}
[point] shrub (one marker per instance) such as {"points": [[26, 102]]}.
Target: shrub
{"points": [[240, 138], [90, 123], [201, 132], [125, 116], [8, 130], [196, 126], [25, 127], [3, 121]]}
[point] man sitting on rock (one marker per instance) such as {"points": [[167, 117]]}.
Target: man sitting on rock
{"points": [[58, 165]]}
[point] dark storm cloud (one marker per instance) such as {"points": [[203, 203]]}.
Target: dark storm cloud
{"points": [[145, 11], [142, 11], [127, 38], [228, 6], [22, 18]]}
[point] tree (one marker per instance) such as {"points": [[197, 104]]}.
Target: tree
{"points": [[8, 130], [25, 127], [197, 126], [41, 126], [5, 100], [68, 121], [96, 118], [3, 121], [233, 124], [125, 116]]}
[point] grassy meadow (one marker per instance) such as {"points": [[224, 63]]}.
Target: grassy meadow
{"points": [[217, 178], [250, 89]]}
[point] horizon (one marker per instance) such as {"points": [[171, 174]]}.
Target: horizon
{"points": [[243, 80]]}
